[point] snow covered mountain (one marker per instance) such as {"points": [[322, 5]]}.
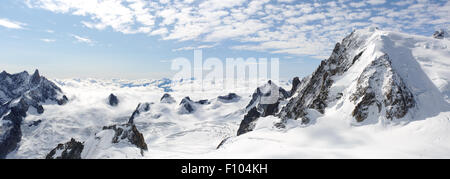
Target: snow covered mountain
{"points": [[21, 94], [374, 79], [380, 94], [377, 76]]}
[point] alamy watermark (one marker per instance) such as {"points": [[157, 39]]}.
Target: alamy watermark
{"points": [[228, 75]]}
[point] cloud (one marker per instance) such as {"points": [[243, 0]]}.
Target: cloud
{"points": [[193, 48], [376, 2], [357, 4], [82, 39], [11, 24], [48, 40], [303, 28]]}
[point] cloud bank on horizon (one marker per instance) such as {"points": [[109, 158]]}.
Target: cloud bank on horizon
{"points": [[300, 28]]}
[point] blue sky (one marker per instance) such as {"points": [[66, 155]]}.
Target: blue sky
{"points": [[138, 38]]}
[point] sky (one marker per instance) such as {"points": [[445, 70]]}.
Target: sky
{"points": [[137, 39]]}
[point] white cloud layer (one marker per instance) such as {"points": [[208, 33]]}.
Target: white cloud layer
{"points": [[82, 39], [11, 24], [48, 40], [283, 26]]}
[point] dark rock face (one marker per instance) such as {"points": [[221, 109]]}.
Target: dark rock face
{"points": [[129, 133], [222, 142], [167, 98], [141, 108], [187, 106], [113, 100], [35, 123], [69, 150], [314, 91], [203, 102], [230, 98], [248, 124], [19, 92], [440, 34], [295, 85], [397, 99], [12, 131], [122, 133], [63, 100], [262, 104]]}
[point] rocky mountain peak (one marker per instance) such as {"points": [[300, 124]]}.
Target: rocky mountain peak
{"points": [[19, 92], [35, 78], [263, 103], [113, 100], [376, 83], [167, 98]]}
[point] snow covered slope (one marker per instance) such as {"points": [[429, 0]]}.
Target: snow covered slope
{"points": [[168, 132], [21, 94], [380, 94]]}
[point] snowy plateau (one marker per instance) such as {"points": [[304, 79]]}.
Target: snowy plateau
{"points": [[381, 94]]}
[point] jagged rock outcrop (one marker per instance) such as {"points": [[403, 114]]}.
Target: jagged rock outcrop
{"points": [[379, 87], [113, 100], [141, 108], [223, 142], [128, 133], [396, 98], [230, 98], [265, 102], [19, 92], [203, 102], [187, 106], [440, 34], [167, 98], [69, 150], [295, 85], [109, 136], [249, 122], [11, 133]]}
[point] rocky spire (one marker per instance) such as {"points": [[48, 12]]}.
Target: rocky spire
{"points": [[35, 78], [113, 100], [295, 85]]}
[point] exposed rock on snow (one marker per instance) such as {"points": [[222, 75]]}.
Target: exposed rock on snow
{"points": [[99, 144], [203, 102], [129, 133], [142, 107], [265, 101], [69, 150], [187, 106], [113, 100], [295, 85], [440, 34], [380, 90], [11, 133], [230, 98], [19, 92], [249, 122], [396, 98], [223, 142], [167, 98]]}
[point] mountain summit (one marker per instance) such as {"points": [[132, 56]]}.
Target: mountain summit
{"points": [[375, 75], [18, 93], [380, 94]]}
